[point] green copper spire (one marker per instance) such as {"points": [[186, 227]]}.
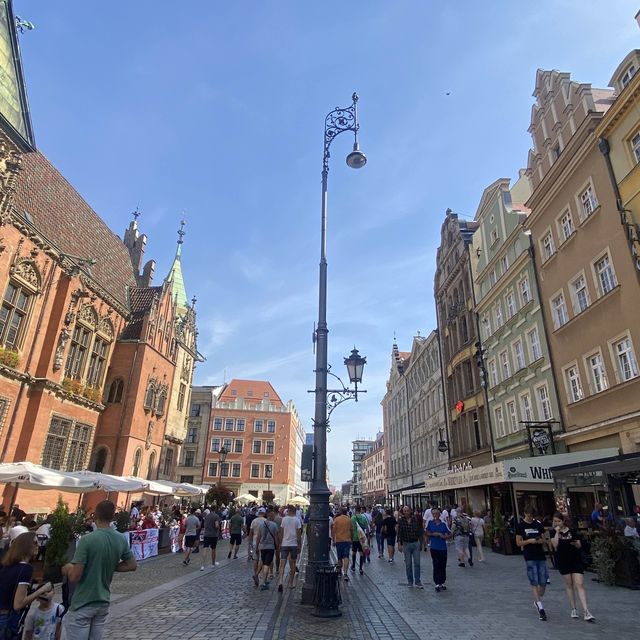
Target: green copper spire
{"points": [[175, 274]]}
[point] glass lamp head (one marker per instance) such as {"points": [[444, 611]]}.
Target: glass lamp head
{"points": [[356, 159]]}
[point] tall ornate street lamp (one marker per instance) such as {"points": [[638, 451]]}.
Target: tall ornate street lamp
{"points": [[337, 121], [222, 456]]}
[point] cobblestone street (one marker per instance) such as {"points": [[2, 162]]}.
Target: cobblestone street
{"points": [[164, 599]]}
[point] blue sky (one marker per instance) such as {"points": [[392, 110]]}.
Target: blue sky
{"points": [[217, 109]]}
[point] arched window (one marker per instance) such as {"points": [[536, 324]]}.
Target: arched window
{"points": [[149, 396], [137, 461], [152, 466], [17, 304], [162, 400], [115, 391], [100, 459]]}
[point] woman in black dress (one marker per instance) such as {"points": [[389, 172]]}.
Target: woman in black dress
{"points": [[567, 545]]}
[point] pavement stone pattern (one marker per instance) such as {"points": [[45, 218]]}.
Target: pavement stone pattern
{"points": [[165, 599]]}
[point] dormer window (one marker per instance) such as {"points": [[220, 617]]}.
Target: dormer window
{"points": [[628, 74]]}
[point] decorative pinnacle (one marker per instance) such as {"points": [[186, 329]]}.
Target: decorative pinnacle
{"points": [[181, 232], [136, 214]]}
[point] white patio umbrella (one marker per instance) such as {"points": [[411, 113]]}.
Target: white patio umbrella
{"points": [[110, 483], [246, 497], [155, 487], [184, 489], [299, 500], [27, 475]]}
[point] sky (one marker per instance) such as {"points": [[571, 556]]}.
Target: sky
{"points": [[214, 112]]}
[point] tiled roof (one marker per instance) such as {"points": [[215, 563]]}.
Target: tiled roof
{"points": [[140, 303], [257, 389], [603, 98], [65, 219]]}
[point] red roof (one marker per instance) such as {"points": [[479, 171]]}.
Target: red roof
{"points": [[65, 219], [256, 390]]}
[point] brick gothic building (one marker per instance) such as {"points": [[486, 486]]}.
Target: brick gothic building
{"points": [[88, 348]]}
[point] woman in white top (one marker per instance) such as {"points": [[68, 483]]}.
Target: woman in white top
{"points": [[477, 530]]}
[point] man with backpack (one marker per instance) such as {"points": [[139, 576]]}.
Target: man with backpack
{"points": [[359, 529], [461, 531], [266, 544]]}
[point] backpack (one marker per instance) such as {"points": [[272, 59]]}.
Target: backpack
{"points": [[463, 525]]}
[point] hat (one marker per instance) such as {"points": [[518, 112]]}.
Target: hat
{"points": [[207, 511], [262, 510], [198, 511]]}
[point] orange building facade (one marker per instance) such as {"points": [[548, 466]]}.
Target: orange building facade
{"points": [[263, 438]]}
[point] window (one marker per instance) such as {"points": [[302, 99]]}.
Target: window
{"points": [[14, 313], [597, 373], [115, 391], [606, 276], [518, 355], [497, 315], [574, 386], [228, 424], [238, 446], [534, 344], [67, 445], [240, 424], [635, 146], [213, 470], [268, 471], [97, 362], [492, 277], [270, 447], [227, 443], [192, 435], [499, 423], [464, 332], [588, 202], [257, 446], [559, 309], [137, 461], [493, 374], [151, 466], [580, 294], [257, 426], [494, 236], [189, 458], [161, 402], [255, 470], [566, 225], [504, 263], [511, 305], [77, 352], [544, 402], [167, 469], [215, 445], [100, 459], [217, 424], [149, 396], [271, 426], [505, 368], [524, 291], [525, 404], [627, 75], [512, 413], [181, 394], [626, 359], [548, 246], [224, 469], [195, 410], [235, 470], [556, 150]]}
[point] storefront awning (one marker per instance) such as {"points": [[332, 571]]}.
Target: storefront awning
{"points": [[536, 470]]}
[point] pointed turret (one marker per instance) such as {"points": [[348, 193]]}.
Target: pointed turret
{"points": [[175, 274]]}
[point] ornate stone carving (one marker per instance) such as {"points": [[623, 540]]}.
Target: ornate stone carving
{"points": [[62, 343], [88, 315], [105, 327], [26, 271], [147, 443]]}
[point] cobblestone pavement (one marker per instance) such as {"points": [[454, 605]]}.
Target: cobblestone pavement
{"points": [[164, 599]]}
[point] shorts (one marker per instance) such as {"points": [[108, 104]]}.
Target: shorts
{"points": [[266, 555], [391, 541], [210, 541], [289, 552], [190, 541], [236, 538], [537, 573], [356, 546], [461, 543], [342, 549]]}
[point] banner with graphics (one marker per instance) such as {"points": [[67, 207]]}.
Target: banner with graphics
{"points": [[144, 543]]}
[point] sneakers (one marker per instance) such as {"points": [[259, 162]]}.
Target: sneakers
{"points": [[264, 587], [361, 572], [256, 581], [574, 613], [185, 562], [201, 568], [419, 585], [346, 578], [542, 614], [471, 563], [390, 560], [588, 617], [279, 588], [443, 587], [461, 564], [410, 586], [438, 588], [229, 556]]}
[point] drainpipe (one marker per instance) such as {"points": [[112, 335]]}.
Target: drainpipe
{"points": [[23, 384], [631, 229]]}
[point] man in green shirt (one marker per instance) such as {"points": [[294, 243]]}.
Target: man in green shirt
{"points": [[97, 556], [359, 528], [235, 532]]}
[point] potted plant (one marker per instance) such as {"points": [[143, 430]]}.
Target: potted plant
{"points": [[57, 553], [123, 521], [268, 496], [616, 558]]}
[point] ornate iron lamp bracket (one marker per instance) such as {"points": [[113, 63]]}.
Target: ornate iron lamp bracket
{"points": [[337, 121]]}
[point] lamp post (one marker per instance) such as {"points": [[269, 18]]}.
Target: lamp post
{"points": [[336, 122], [222, 456], [268, 472]]}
